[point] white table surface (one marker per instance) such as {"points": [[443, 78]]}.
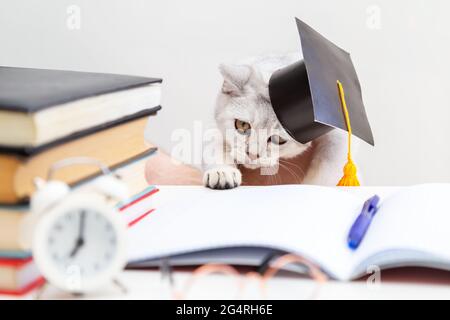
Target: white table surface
{"points": [[147, 284]]}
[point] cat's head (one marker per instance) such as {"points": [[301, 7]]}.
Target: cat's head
{"points": [[246, 118]]}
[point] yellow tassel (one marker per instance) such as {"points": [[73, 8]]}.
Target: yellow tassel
{"points": [[349, 178]]}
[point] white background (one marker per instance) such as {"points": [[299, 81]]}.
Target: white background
{"points": [[403, 65]]}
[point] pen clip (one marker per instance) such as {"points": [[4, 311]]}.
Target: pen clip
{"points": [[370, 206]]}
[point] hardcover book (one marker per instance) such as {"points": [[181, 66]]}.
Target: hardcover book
{"points": [[132, 174], [114, 146], [39, 106]]}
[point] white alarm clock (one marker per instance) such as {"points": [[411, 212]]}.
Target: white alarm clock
{"points": [[77, 239]]}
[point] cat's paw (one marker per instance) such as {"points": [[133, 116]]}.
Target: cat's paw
{"points": [[225, 177]]}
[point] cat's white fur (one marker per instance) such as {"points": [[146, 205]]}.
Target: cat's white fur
{"points": [[244, 96]]}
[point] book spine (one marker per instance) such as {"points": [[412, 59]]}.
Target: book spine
{"points": [[16, 263], [27, 289]]}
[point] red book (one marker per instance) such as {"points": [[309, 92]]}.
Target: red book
{"points": [[18, 276]]}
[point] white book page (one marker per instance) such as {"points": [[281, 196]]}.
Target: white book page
{"points": [[309, 220], [413, 220]]}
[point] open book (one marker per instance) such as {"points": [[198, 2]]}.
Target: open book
{"points": [[195, 225]]}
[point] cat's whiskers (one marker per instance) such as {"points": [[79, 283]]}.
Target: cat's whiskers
{"points": [[289, 171], [296, 177], [292, 164], [272, 180], [276, 178]]}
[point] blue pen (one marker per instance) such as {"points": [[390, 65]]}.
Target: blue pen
{"points": [[362, 223]]}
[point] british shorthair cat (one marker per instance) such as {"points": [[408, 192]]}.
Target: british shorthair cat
{"points": [[253, 148]]}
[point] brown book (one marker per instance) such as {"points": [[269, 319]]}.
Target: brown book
{"points": [[113, 146], [11, 217]]}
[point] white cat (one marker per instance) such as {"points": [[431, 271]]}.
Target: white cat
{"points": [[252, 137]]}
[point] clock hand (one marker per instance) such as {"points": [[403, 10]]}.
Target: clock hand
{"points": [[80, 240], [82, 223]]}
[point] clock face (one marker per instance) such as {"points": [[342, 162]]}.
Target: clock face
{"points": [[79, 245], [82, 242]]}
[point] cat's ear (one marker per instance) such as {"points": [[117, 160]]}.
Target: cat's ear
{"points": [[235, 77]]}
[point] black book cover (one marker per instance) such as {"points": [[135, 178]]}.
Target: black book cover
{"points": [[31, 90]]}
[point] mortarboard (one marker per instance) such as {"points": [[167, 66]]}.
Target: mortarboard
{"points": [[304, 94]]}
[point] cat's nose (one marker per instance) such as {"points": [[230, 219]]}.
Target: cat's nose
{"points": [[252, 156]]}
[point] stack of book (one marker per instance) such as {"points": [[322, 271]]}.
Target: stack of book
{"points": [[51, 115]]}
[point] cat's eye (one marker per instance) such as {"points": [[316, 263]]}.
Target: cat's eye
{"points": [[242, 127], [276, 139]]}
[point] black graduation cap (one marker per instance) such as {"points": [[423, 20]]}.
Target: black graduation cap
{"points": [[305, 97]]}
